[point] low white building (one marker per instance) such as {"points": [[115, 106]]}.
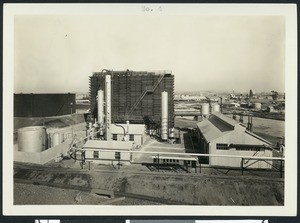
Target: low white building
{"points": [[221, 135], [130, 133], [108, 152]]}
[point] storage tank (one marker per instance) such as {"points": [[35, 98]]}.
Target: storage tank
{"points": [[32, 139], [205, 109], [257, 106], [164, 115], [215, 107]]}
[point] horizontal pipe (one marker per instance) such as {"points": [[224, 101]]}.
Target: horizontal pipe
{"points": [[186, 154]]}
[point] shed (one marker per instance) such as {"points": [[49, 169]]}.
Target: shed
{"points": [[216, 133]]}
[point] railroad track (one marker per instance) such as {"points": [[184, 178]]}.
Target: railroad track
{"points": [[49, 169]]}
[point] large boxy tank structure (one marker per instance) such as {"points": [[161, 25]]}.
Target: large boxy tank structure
{"points": [[44, 105], [136, 96]]}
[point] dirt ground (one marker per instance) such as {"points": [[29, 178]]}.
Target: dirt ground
{"points": [[29, 194], [137, 188]]}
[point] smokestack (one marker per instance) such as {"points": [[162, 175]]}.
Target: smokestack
{"points": [[221, 104], [108, 106], [101, 110], [164, 115], [241, 120], [249, 124]]}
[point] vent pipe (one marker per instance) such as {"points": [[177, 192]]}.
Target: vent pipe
{"points": [[221, 104], [101, 110], [164, 115], [108, 106], [241, 120]]}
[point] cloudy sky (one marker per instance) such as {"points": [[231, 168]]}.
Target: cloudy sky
{"points": [[57, 53]]}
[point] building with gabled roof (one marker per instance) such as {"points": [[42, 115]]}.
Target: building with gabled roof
{"points": [[221, 135]]}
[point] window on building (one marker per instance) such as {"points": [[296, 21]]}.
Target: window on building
{"points": [[117, 155], [222, 146], [131, 137], [115, 137], [96, 154]]}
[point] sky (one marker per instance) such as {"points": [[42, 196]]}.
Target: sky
{"points": [[57, 53]]}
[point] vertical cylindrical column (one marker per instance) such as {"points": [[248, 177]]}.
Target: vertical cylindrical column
{"points": [[100, 107], [108, 106], [164, 115], [101, 112]]}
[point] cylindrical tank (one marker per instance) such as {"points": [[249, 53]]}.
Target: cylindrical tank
{"points": [[257, 106], [205, 109], [101, 107], [32, 139], [215, 107], [164, 115]]}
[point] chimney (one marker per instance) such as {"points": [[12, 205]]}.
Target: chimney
{"points": [[241, 120], [249, 124]]}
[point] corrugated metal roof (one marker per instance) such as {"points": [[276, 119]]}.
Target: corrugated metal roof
{"points": [[120, 145], [213, 128], [225, 118]]}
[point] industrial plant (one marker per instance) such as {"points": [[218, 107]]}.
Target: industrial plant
{"points": [[133, 124]]}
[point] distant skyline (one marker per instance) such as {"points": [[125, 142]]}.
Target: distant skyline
{"points": [[57, 53]]}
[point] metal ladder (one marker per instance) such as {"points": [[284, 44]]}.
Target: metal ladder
{"points": [[146, 90]]}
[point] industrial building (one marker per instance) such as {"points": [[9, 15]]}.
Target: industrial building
{"points": [[125, 108], [108, 152], [221, 135], [125, 105], [129, 132], [43, 105], [135, 95]]}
